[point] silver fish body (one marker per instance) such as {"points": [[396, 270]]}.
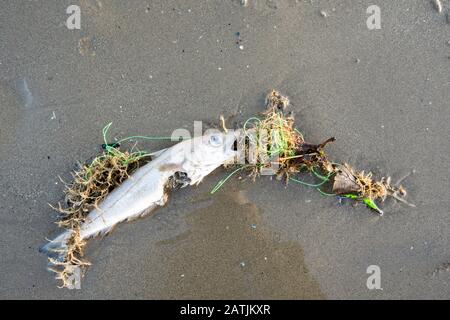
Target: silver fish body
{"points": [[145, 189]]}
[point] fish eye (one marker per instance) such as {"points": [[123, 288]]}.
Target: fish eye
{"points": [[215, 140]]}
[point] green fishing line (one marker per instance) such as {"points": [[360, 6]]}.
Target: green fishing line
{"points": [[133, 155], [308, 184], [221, 182], [325, 193]]}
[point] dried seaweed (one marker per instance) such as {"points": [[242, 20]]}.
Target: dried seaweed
{"points": [[92, 182], [274, 142]]}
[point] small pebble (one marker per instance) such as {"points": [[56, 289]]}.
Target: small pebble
{"points": [[241, 47], [253, 226], [323, 14], [242, 264], [219, 68]]}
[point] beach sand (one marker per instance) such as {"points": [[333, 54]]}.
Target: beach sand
{"points": [[154, 66]]}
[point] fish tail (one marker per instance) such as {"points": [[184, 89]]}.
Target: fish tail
{"points": [[57, 249], [64, 258]]}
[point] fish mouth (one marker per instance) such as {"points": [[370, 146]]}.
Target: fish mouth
{"points": [[235, 145], [232, 141], [232, 146]]}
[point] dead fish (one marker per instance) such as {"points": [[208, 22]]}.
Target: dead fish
{"points": [[189, 160], [345, 181]]}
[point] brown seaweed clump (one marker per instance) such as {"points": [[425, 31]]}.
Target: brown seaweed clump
{"points": [[273, 143], [350, 181], [91, 183]]}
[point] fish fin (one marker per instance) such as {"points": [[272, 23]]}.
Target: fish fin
{"points": [[106, 232], [170, 167], [141, 214], [157, 153], [56, 249]]}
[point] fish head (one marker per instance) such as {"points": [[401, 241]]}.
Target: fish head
{"points": [[210, 151]]}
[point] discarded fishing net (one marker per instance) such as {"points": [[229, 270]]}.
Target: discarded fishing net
{"points": [[275, 146]]}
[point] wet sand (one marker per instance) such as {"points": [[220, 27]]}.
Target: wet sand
{"points": [[152, 67]]}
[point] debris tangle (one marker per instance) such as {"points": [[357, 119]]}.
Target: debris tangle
{"points": [[273, 143]]}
